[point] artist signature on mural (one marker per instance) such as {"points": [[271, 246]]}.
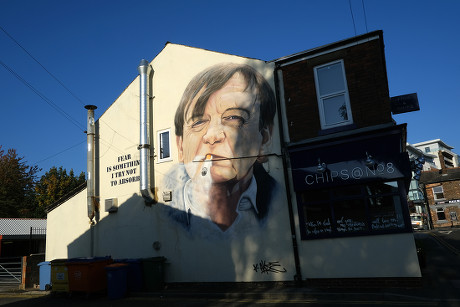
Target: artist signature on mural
{"points": [[268, 267]]}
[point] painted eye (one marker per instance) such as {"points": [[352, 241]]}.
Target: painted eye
{"points": [[199, 123], [235, 117], [234, 120]]}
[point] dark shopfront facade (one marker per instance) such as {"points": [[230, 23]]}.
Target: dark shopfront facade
{"points": [[352, 185]]}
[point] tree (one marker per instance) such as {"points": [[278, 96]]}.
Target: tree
{"points": [[22, 196], [54, 185], [17, 179]]}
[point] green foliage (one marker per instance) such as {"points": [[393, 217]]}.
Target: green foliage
{"points": [[55, 184], [22, 195], [17, 179]]}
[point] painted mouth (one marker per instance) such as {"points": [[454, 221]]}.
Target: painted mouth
{"points": [[210, 160], [213, 157], [207, 160]]}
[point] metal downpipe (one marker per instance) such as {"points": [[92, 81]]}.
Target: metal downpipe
{"points": [[145, 146], [278, 84], [90, 182]]}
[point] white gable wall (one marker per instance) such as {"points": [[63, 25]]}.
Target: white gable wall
{"points": [[67, 230], [132, 231]]}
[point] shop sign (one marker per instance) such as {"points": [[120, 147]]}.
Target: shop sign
{"points": [[404, 103], [346, 172]]}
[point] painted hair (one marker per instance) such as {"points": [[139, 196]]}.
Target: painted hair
{"points": [[214, 78]]}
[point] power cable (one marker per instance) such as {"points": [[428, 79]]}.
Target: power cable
{"points": [[52, 75], [57, 108], [365, 18], [116, 132], [76, 123], [56, 154], [352, 17], [47, 100], [38, 62], [42, 66]]}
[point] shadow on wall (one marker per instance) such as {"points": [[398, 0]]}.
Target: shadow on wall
{"points": [[137, 231]]}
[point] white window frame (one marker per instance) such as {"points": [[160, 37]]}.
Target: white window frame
{"points": [[160, 145], [441, 211], [321, 99], [437, 192]]}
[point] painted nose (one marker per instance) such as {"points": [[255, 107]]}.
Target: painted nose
{"points": [[214, 134]]}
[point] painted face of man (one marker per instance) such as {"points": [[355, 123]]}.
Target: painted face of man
{"points": [[227, 133]]}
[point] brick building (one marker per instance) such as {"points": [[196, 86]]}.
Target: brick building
{"points": [[365, 90], [442, 188], [348, 159]]}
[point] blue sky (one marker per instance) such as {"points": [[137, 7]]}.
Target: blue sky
{"points": [[93, 48]]}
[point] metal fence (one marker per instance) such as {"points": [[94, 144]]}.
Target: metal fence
{"points": [[35, 237], [10, 271]]}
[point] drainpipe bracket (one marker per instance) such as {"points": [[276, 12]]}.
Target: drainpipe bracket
{"points": [[148, 199], [143, 146]]}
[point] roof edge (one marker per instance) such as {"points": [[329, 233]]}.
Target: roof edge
{"points": [[66, 197], [378, 34], [434, 141]]}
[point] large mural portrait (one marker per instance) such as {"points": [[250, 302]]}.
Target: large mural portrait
{"points": [[223, 126]]}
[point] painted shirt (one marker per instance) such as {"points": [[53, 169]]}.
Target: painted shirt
{"points": [[252, 209], [245, 209]]}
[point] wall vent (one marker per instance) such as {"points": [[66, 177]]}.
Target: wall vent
{"points": [[111, 205], [167, 195]]}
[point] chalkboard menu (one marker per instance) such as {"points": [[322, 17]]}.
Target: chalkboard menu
{"points": [[318, 219], [353, 210], [386, 222], [350, 215], [350, 225], [386, 213], [319, 227]]}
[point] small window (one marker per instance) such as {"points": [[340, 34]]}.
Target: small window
{"points": [[438, 193], [427, 149], [164, 153], [332, 93], [440, 214]]}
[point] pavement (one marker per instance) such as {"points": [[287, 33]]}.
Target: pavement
{"points": [[440, 286]]}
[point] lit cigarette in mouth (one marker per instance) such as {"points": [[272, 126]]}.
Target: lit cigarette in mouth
{"points": [[204, 170]]}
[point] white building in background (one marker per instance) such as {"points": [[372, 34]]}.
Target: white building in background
{"points": [[420, 161], [443, 156], [415, 153]]}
